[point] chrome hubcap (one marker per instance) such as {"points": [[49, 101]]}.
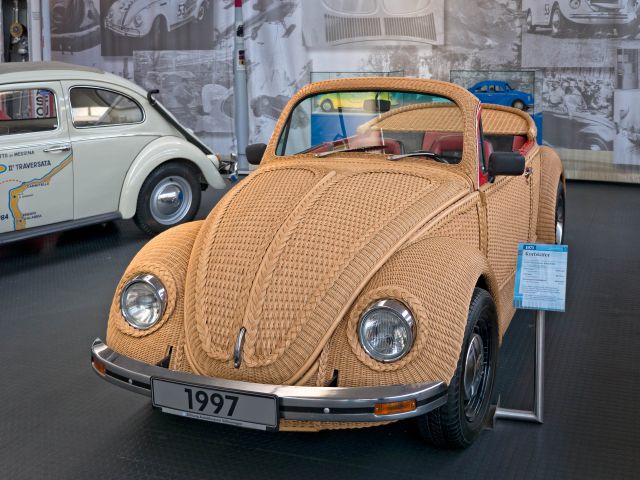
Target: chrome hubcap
{"points": [[559, 228], [473, 367], [559, 221], [171, 200]]}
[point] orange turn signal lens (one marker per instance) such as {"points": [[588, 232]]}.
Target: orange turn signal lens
{"points": [[100, 368], [394, 407]]}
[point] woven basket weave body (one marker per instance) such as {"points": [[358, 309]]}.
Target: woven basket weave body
{"points": [[298, 250]]}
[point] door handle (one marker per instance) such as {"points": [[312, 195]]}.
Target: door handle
{"points": [[58, 148]]}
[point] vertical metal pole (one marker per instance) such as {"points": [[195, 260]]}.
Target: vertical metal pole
{"points": [[46, 31], [539, 386], [240, 94], [538, 382], [35, 31]]}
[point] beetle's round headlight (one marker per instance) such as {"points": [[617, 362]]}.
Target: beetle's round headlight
{"points": [[387, 330], [143, 301], [137, 20]]}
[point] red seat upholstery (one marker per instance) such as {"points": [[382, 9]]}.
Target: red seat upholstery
{"points": [[393, 147], [448, 143], [518, 142]]}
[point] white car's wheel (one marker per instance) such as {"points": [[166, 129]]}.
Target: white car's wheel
{"points": [[169, 196]]}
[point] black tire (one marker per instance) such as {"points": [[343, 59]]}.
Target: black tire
{"points": [[202, 11], [326, 105], [559, 24], [560, 217], [185, 176], [531, 28], [519, 104], [459, 421], [159, 31]]}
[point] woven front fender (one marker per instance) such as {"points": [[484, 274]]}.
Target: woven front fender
{"points": [[435, 278], [167, 257]]}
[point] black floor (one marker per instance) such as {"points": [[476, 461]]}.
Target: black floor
{"points": [[59, 420]]}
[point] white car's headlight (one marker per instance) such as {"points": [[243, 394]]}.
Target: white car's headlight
{"points": [[137, 20], [387, 330], [143, 301]]}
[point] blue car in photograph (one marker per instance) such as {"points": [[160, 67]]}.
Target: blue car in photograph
{"points": [[501, 93]]}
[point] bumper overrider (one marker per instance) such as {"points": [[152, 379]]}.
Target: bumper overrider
{"points": [[261, 406]]}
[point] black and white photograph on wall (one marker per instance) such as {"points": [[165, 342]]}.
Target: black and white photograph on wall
{"points": [[576, 18], [571, 33], [577, 108], [75, 25], [195, 86], [130, 25], [484, 34], [332, 23], [626, 108]]}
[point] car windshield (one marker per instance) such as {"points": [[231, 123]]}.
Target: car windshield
{"points": [[375, 122]]}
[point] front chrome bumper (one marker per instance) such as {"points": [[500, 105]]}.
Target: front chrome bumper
{"points": [[325, 404]]}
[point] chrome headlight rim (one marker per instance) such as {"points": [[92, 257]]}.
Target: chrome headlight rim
{"points": [[400, 309], [159, 291]]}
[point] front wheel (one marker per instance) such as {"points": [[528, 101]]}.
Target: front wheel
{"points": [[326, 105], [202, 11], [531, 28], [169, 196], [519, 104], [559, 24], [459, 421]]}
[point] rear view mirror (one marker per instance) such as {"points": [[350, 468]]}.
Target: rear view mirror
{"points": [[255, 152], [506, 163], [376, 106]]}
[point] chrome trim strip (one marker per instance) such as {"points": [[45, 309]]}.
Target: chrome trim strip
{"points": [[16, 235], [329, 404]]}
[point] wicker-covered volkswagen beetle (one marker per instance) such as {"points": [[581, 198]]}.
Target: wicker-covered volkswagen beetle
{"points": [[362, 274]]}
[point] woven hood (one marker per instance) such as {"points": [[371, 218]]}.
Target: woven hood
{"points": [[285, 253]]}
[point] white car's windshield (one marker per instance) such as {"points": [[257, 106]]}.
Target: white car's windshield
{"points": [[388, 122]]}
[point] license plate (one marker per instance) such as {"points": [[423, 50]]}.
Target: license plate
{"points": [[230, 407]]}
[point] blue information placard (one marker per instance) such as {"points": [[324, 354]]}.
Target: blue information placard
{"points": [[541, 277]]}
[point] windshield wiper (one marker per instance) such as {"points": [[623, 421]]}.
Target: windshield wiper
{"points": [[354, 149], [418, 153]]}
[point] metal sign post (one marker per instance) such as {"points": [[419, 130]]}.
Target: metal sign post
{"points": [[534, 415], [541, 278]]}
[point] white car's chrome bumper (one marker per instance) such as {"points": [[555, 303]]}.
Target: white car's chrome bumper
{"points": [[328, 404]]}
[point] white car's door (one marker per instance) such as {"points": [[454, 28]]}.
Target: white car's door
{"points": [[36, 172], [108, 129]]}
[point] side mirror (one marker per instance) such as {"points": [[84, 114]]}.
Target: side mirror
{"points": [[506, 163], [255, 152]]}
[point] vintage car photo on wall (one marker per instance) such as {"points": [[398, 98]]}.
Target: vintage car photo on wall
{"points": [[346, 282], [129, 25]]}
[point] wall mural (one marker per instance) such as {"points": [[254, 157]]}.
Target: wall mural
{"points": [[578, 59]]}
